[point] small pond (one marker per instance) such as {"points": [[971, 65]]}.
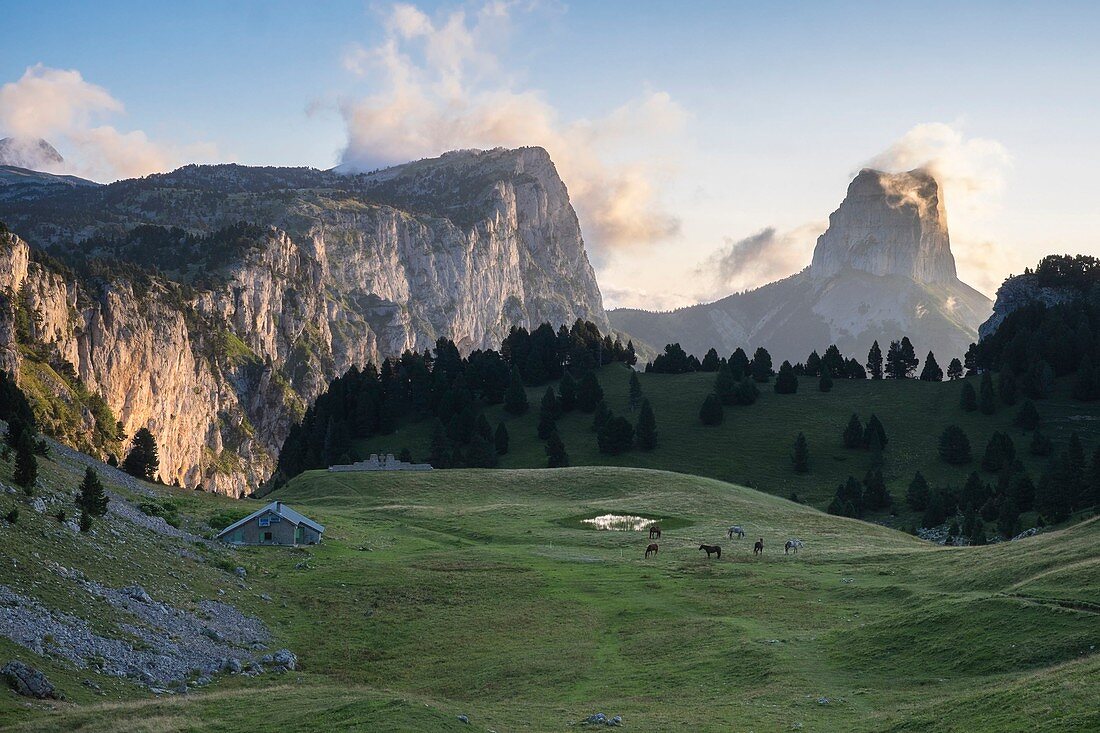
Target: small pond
{"points": [[619, 522]]}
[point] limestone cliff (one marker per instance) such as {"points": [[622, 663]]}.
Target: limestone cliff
{"points": [[882, 270], [215, 334]]}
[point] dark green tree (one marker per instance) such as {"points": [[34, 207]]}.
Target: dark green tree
{"points": [[1041, 445], [439, 450], [480, 453], [616, 436], [556, 457], [800, 455], [955, 369], [853, 433], [1008, 519], [931, 371], [968, 398], [515, 398], [917, 495], [26, 465], [646, 430], [91, 497], [739, 364], [710, 361], [954, 446], [786, 382], [589, 392], [813, 364], [548, 414], [501, 439], [987, 402], [725, 385], [874, 361], [567, 389], [999, 453], [483, 428], [874, 431], [711, 411], [635, 392], [1027, 417], [761, 366], [143, 460], [1006, 387], [600, 416], [745, 393], [825, 384], [875, 495]]}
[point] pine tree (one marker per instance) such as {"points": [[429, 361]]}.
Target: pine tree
{"points": [[931, 371], [955, 369], [986, 401], [91, 498], [439, 450], [725, 385], [739, 364], [968, 398], [589, 392], [800, 455], [1006, 387], [405, 456], [567, 389], [875, 495], [874, 361], [143, 460], [917, 495], [853, 433], [26, 465], [1027, 417], [745, 393], [710, 362], [483, 428], [646, 430], [515, 398], [1086, 387], [556, 457], [908, 357], [480, 453], [616, 436], [601, 416], [954, 447], [711, 411], [999, 453], [761, 366], [825, 384], [1008, 519], [548, 413], [636, 394], [813, 364], [1040, 445], [500, 439], [874, 431], [85, 522], [786, 382]]}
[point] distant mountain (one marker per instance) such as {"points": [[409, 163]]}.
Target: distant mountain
{"points": [[22, 184], [33, 153], [211, 304], [882, 270]]}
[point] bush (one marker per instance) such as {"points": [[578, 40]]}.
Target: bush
{"points": [[711, 412], [12, 516]]}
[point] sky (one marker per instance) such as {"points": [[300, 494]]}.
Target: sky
{"points": [[704, 144]]}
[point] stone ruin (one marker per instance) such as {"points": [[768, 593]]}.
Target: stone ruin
{"points": [[382, 463]]}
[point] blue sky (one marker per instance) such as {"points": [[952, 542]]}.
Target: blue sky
{"points": [[681, 129]]}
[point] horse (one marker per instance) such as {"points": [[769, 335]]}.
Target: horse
{"points": [[652, 548], [792, 544], [736, 530], [758, 548], [712, 550], [654, 531]]}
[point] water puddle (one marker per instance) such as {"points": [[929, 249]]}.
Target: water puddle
{"points": [[620, 522]]}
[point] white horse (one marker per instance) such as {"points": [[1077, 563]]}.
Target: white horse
{"points": [[736, 530], [792, 544]]}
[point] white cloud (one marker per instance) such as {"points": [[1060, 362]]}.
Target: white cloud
{"points": [[757, 259], [434, 87], [61, 107]]}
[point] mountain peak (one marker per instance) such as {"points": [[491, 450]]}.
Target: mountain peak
{"points": [[31, 153], [888, 224]]}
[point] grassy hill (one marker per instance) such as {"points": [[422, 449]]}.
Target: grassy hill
{"points": [[480, 593], [752, 446]]}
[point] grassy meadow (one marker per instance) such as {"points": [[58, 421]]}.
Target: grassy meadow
{"points": [[480, 593]]}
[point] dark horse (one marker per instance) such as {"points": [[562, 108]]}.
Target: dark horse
{"points": [[654, 531], [712, 550], [652, 548], [758, 548]]}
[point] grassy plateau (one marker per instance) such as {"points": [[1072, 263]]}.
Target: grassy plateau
{"points": [[481, 593]]}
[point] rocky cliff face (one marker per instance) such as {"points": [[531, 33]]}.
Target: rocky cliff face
{"points": [[882, 270], [218, 341], [1019, 291]]}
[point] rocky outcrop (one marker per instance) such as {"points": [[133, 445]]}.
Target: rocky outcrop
{"points": [[882, 270], [217, 343], [1019, 291]]}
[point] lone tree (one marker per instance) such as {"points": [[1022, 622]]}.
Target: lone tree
{"points": [[711, 411], [931, 371], [26, 465], [917, 495], [955, 369], [501, 439], [853, 433], [874, 361], [143, 460], [968, 398], [91, 499], [646, 430], [556, 457], [786, 382], [874, 433], [987, 401], [515, 398], [635, 395], [954, 446], [800, 455]]}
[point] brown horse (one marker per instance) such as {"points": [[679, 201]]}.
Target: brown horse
{"points": [[712, 550], [654, 531], [758, 548], [652, 548]]}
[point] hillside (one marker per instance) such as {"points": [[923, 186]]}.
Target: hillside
{"points": [[752, 446], [481, 593]]}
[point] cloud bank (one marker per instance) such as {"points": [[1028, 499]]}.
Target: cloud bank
{"points": [[63, 108], [435, 85]]}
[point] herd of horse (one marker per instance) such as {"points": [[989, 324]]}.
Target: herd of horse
{"points": [[757, 549]]}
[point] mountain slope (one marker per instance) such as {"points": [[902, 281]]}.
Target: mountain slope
{"points": [[883, 269], [214, 334]]}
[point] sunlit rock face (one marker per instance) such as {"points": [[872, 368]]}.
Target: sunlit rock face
{"points": [[1019, 291], [882, 270], [32, 153], [888, 224]]}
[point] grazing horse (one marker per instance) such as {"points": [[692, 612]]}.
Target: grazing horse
{"points": [[712, 550], [792, 544], [736, 530], [652, 548], [758, 548], [654, 531]]}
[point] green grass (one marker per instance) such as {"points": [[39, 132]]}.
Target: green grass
{"points": [[752, 446], [478, 592]]}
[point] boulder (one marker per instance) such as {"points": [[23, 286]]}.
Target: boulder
{"points": [[28, 681], [137, 593], [286, 658]]}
